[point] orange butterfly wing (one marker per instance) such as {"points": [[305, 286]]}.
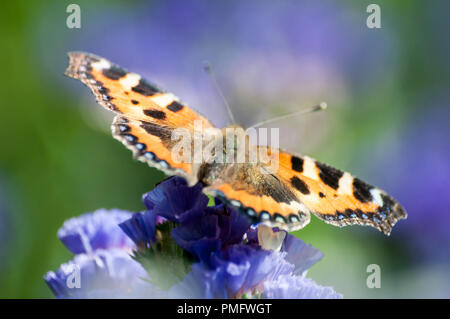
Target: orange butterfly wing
{"points": [[129, 94], [147, 114], [335, 196], [263, 197]]}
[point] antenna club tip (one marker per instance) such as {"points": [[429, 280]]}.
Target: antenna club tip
{"points": [[323, 105]]}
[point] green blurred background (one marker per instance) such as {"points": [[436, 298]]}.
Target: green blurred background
{"points": [[387, 91]]}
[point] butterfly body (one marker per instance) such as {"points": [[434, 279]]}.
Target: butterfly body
{"points": [[281, 195]]}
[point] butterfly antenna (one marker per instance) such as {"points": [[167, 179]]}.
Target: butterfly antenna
{"points": [[315, 108], [208, 69]]}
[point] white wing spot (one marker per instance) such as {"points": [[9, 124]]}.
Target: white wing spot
{"points": [[163, 99], [309, 168], [345, 185], [376, 195], [130, 80], [102, 64]]}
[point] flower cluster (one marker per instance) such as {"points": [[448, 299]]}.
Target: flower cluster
{"points": [[183, 247], [102, 266]]}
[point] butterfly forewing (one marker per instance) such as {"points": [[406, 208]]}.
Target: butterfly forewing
{"points": [[129, 94]]}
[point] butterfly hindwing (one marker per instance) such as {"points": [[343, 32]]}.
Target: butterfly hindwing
{"points": [[262, 196], [151, 143]]}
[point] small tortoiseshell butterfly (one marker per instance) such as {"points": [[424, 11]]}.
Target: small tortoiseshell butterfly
{"points": [[284, 198]]}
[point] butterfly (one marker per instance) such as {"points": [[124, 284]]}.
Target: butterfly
{"points": [[282, 197]]}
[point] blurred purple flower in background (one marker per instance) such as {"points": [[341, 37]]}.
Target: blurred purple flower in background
{"points": [[283, 53], [187, 248], [421, 178], [270, 57]]}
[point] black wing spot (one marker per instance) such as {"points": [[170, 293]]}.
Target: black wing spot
{"points": [[145, 88], [135, 102], [159, 115], [300, 185], [175, 106], [361, 191], [114, 73], [297, 163], [156, 130], [329, 175]]}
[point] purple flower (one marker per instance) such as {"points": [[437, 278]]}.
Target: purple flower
{"points": [[140, 228], [238, 270], [102, 266], [301, 255], [92, 231], [245, 270], [182, 248], [188, 200], [297, 287], [229, 259], [105, 274], [212, 229], [200, 229]]}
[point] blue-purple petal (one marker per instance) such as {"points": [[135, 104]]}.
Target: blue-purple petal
{"points": [[174, 200], [301, 255], [297, 287], [106, 273], [140, 228], [97, 230]]}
